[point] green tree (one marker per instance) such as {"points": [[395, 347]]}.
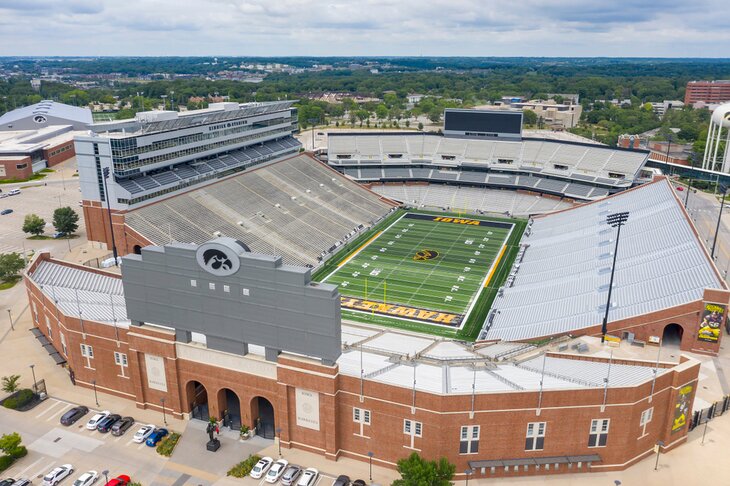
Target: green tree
{"points": [[10, 265], [10, 383], [381, 111], [415, 471], [65, 220], [408, 123], [33, 224], [420, 126], [529, 117], [10, 445], [362, 115]]}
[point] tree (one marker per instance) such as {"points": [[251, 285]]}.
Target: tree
{"points": [[10, 383], [381, 111], [10, 265], [415, 471], [10, 445], [529, 117], [33, 224], [420, 126], [65, 220], [408, 123]]}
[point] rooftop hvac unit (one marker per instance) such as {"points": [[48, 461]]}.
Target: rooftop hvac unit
{"points": [[217, 233]]}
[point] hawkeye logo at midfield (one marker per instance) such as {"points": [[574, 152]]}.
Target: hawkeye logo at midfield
{"points": [[425, 255], [457, 221], [395, 310]]}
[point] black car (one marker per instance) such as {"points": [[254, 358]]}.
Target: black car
{"points": [[70, 417], [106, 424], [342, 480], [358, 482], [122, 425], [7, 482], [4, 212]]}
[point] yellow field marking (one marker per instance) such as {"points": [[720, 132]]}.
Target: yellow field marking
{"points": [[352, 255], [496, 265]]}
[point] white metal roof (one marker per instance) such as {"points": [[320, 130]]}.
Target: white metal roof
{"points": [[47, 108]]}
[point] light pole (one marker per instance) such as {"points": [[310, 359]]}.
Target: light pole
{"points": [[686, 196], [96, 397], [164, 417], [614, 220], [468, 473], [109, 212], [659, 445], [105, 472], [719, 217], [10, 316], [278, 432], [370, 455], [35, 386]]}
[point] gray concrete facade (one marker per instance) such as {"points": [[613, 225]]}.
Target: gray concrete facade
{"points": [[233, 297]]}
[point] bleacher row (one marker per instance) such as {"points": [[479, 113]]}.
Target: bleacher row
{"points": [[296, 208], [470, 199], [589, 163], [245, 157], [559, 187]]}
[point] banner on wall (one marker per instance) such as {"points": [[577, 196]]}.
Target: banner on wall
{"points": [[711, 323], [681, 408]]}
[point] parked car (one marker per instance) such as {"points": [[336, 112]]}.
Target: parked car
{"points": [[359, 482], [58, 234], [57, 475], [291, 475], [121, 480], [142, 433], [7, 482], [98, 417], [342, 480], [6, 211], [23, 482], [87, 479], [14, 192], [105, 424], [309, 477], [155, 437], [121, 426], [276, 470], [70, 417], [261, 467], [680, 188]]}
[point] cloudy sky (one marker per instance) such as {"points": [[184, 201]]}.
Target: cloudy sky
{"points": [[662, 28]]}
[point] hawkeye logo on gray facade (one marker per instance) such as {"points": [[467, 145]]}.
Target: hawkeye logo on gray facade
{"points": [[218, 259]]}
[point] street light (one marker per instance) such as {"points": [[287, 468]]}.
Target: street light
{"points": [[686, 196], [32, 370], [10, 316], [96, 397], [614, 220], [719, 217], [370, 455], [109, 212], [105, 472], [468, 472], [278, 432], [164, 417], [659, 445]]}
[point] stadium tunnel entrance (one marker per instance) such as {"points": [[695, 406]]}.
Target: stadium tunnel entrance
{"points": [[262, 414], [230, 407], [672, 335], [197, 397]]}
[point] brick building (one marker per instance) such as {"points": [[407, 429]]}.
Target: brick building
{"points": [[24, 152], [707, 92]]}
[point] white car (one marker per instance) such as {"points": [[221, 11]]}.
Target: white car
{"points": [[94, 421], [143, 432], [277, 469], [309, 477], [261, 467], [87, 479], [57, 475]]}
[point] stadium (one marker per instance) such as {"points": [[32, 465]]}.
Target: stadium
{"points": [[391, 300]]}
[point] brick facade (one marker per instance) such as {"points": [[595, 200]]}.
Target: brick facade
{"points": [[502, 417], [15, 167], [61, 152]]}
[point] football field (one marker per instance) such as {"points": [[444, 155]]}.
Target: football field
{"points": [[422, 268]]}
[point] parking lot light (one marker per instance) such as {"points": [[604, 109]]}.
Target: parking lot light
{"points": [[35, 386], [105, 472], [370, 455], [96, 397], [10, 316], [278, 432], [164, 417]]}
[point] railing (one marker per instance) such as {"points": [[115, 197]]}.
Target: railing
{"points": [[703, 416]]}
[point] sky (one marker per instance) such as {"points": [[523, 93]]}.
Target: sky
{"points": [[550, 28]]}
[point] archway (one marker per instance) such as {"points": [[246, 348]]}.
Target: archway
{"points": [[230, 408], [262, 415], [672, 335], [197, 400], [137, 249]]}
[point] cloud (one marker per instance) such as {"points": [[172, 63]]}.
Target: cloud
{"points": [[674, 28]]}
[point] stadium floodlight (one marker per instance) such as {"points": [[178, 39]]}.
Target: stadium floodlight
{"points": [[105, 173], [615, 220]]}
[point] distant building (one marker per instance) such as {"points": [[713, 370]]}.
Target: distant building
{"points": [[662, 108], [659, 150], [415, 98], [35, 83], [553, 114], [710, 92], [24, 152]]}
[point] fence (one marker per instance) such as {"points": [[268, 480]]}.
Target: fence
{"points": [[718, 408], [96, 262]]}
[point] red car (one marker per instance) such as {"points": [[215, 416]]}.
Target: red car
{"points": [[680, 188], [121, 480]]}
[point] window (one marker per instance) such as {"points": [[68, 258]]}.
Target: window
{"points": [[412, 429], [21, 166], [535, 439], [646, 417], [211, 286], [560, 167], [599, 433], [361, 417], [48, 326], [245, 292], [87, 351], [193, 283], [63, 343], [227, 289], [120, 359], [469, 441]]}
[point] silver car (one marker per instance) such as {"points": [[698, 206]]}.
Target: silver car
{"points": [[291, 475]]}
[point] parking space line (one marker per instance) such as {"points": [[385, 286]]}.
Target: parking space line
{"points": [[43, 470], [21, 473], [50, 407], [141, 446], [60, 412]]}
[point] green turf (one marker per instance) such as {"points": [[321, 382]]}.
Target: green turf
{"points": [[386, 271]]}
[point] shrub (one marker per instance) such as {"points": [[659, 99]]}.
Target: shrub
{"points": [[10, 383], [167, 445], [243, 468], [22, 398], [5, 462]]}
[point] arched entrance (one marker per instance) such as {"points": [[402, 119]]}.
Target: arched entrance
{"points": [[198, 400], [230, 408], [672, 335], [137, 249], [262, 415]]}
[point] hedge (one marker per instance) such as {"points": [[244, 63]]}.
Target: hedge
{"points": [[5, 462], [243, 468], [168, 444], [21, 398]]}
